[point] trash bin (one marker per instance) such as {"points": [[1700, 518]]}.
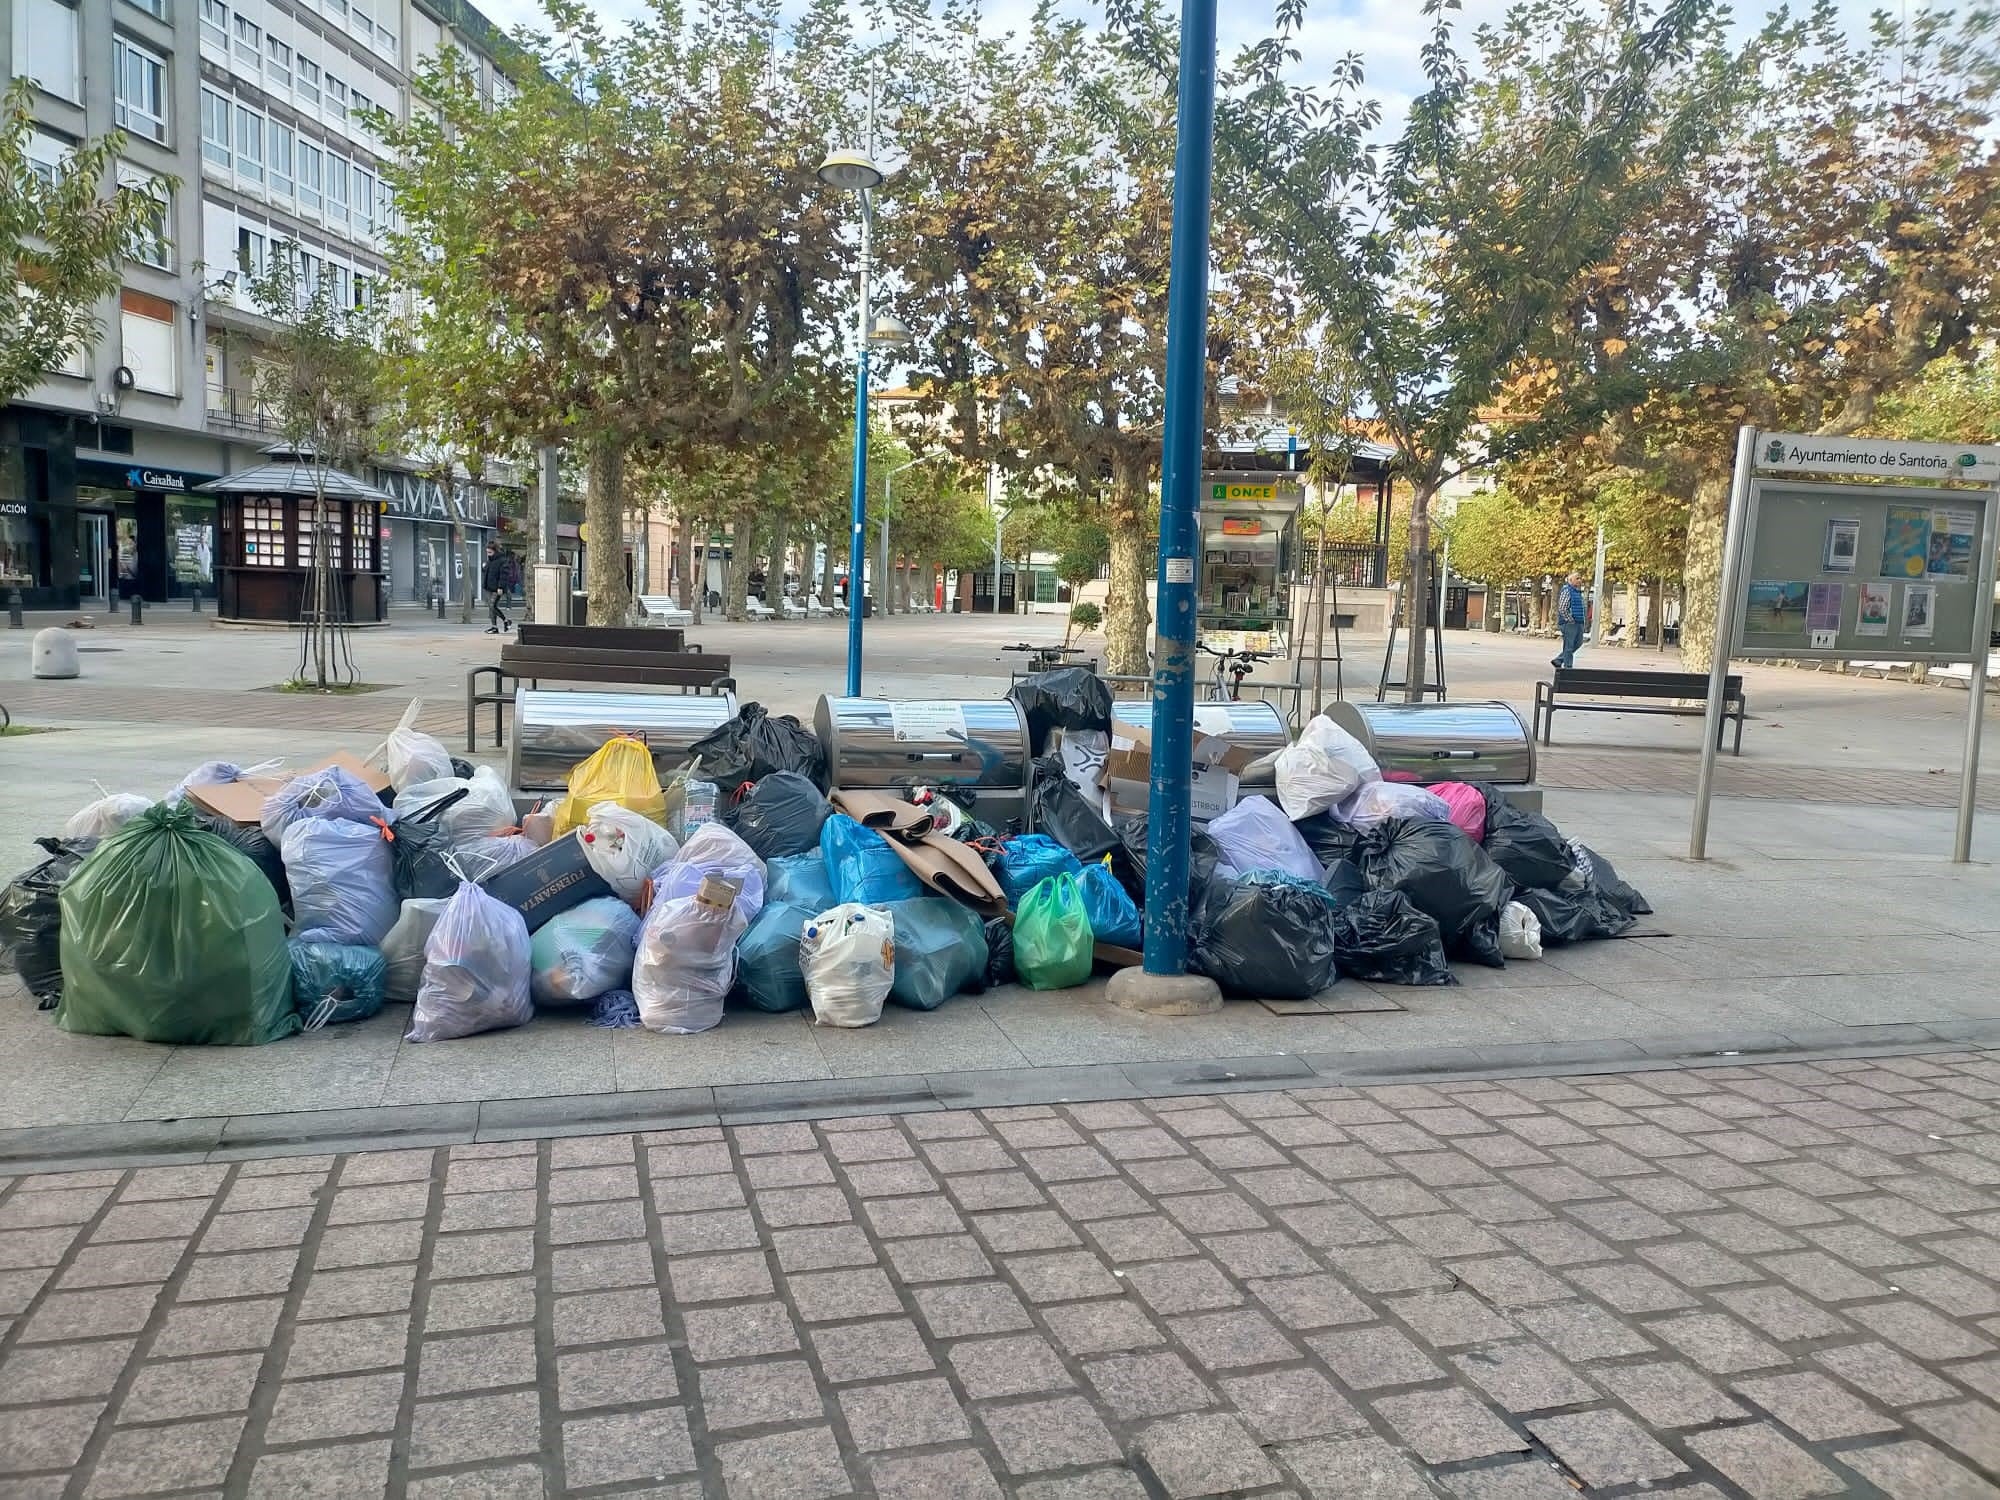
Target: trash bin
{"points": [[1251, 724], [1470, 741], [978, 748], [554, 730]]}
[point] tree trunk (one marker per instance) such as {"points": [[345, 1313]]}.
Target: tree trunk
{"points": [[1415, 610], [1496, 609], [1701, 572], [609, 594], [1127, 620], [931, 584], [1631, 638], [742, 545], [826, 569], [684, 560], [774, 568]]}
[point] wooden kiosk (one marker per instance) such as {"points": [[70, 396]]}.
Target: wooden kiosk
{"points": [[273, 524]]}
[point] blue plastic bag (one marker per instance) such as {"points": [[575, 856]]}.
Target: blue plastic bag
{"points": [[864, 870], [343, 881], [330, 793], [800, 879], [767, 957], [940, 950], [1027, 861], [1114, 916], [335, 982]]}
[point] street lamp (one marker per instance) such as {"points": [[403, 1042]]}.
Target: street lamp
{"points": [[882, 568], [856, 171]]}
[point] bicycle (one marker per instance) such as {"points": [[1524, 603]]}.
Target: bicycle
{"points": [[1233, 666], [1045, 658]]}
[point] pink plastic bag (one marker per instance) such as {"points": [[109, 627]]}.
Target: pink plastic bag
{"points": [[1467, 804]]}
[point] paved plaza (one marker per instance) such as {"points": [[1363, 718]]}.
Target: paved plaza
{"points": [[1772, 1282]]}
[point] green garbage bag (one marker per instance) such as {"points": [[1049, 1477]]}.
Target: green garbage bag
{"points": [[1052, 935], [171, 935]]}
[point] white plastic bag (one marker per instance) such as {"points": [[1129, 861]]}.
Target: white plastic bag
{"points": [[105, 816], [219, 773], [713, 850], [581, 953], [1312, 777], [343, 881], [486, 807], [848, 957], [1379, 801], [332, 792], [1255, 834], [1323, 734], [624, 847], [403, 946], [475, 970], [479, 858], [415, 757], [687, 959], [1520, 932]]}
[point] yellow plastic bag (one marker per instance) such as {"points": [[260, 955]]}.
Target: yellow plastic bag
{"points": [[622, 772]]}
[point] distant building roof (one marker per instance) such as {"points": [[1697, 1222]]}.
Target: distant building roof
{"points": [[295, 471]]}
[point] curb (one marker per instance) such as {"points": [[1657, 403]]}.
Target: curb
{"points": [[135, 1143]]}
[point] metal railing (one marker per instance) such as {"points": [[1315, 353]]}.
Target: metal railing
{"points": [[239, 411], [1354, 565]]}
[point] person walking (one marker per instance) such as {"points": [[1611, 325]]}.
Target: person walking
{"points": [[1572, 614], [493, 578]]}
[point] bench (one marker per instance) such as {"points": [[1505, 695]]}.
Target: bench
{"points": [[641, 656], [835, 608], [662, 608], [1652, 690], [756, 609], [791, 609]]}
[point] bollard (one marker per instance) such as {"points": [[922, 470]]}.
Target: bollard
{"points": [[135, 609], [440, 604], [14, 620], [194, 599]]}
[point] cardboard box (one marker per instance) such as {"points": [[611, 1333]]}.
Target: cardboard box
{"points": [[548, 882], [1215, 766], [243, 801], [945, 865]]}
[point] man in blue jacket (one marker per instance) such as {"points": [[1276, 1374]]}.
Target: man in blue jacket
{"points": [[1571, 617]]}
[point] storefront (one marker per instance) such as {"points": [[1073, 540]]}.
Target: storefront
{"points": [[1249, 525], [417, 535], [37, 521], [140, 530]]}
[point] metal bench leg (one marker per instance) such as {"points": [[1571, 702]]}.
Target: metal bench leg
{"points": [[472, 712], [1742, 712]]}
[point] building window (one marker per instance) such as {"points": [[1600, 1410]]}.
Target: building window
{"points": [[47, 46], [46, 155], [147, 335], [364, 201], [309, 81], [309, 176], [215, 23], [252, 252], [336, 189], [361, 536], [263, 533], [249, 144], [336, 98], [278, 64], [156, 8], [283, 143], [139, 90], [152, 243], [334, 514], [249, 43], [215, 129]]}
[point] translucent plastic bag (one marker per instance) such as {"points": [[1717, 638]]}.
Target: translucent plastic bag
{"points": [[1052, 939], [403, 947], [343, 881], [480, 858], [330, 793], [1379, 801], [415, 757], [217, 773], [800, 879], [1313, 774], [1467, 804], [940, 950], [1255, 834], [336, 982], [687, 957], [767, 957], [782, 814], [584, 952], [105, 816], [625, 848], [1025, 862], [1113, 915], [475, 971], [620, 771], [1520, 932], [486, 807], [863, 868], [170, 935], [713, 850], [1323, 734], [848, 956]]}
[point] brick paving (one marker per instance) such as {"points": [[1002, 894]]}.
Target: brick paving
{"points": [[1770, 1281], [1674, 771]]}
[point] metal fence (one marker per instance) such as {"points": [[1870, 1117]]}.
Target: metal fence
{"points": [[1354, 565]]}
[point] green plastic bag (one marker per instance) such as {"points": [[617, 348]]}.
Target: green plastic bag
{"points": [[1052, 935], [171, 935]]}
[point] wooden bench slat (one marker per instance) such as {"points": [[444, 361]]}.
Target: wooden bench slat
{"points": [[1601, 690], [610, 637], [556, 657]]}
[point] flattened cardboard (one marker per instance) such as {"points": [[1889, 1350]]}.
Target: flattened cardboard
{"points": [[943, 864], [1131, 757], [243, 801], [882, 812]]}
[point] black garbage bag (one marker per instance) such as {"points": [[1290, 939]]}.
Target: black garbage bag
{"points": [[1444, 874], [1526, 845], [1380, 936], [1329, 839], [780, 815], [1203, 855], [248, 840], [1595, 871], [754, 744], [1061, 812], [1345, 881], [31, 918], [1576, 916], [1067, 698], [999, 953], [1266, 936], [418, 868]]}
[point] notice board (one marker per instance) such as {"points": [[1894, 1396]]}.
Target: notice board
{"points": [[1864, 571]]}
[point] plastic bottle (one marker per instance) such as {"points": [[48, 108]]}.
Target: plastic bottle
{"points": [[698, 807]]}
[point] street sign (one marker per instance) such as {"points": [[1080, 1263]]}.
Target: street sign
{"points": [[1800, 453]]}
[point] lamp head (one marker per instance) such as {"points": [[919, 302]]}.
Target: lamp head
{"points": [[889, 332], [853, 170]]}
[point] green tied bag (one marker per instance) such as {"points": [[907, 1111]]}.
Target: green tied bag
{"points": [[1052, 940], [169, 934]]}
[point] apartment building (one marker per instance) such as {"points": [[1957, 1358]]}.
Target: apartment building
{"points": [[259, 111]]}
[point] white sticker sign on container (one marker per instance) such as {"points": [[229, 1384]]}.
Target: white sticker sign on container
{"points": [[926, 719]]}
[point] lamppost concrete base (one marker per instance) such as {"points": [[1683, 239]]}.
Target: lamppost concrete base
{"points": [[1164, 994]]}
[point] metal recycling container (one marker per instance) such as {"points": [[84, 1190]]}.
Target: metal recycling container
{"points": [[553, 730], [1471, 741], [979, 747], [1251, 723]]}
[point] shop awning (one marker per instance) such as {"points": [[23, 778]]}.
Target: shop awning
{"points": [[295, 471]]}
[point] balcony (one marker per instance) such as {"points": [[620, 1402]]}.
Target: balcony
{"points": [[239, 413]]}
